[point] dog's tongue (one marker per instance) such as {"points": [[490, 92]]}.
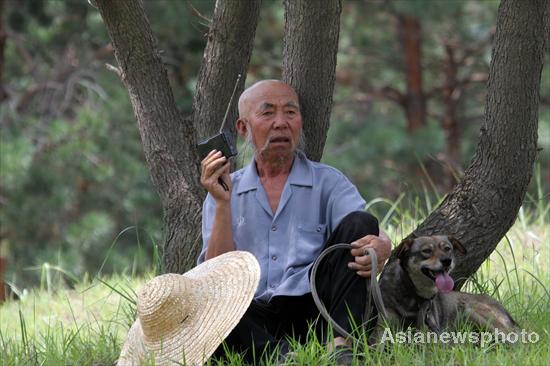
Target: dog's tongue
{"points": [[444, 282]]}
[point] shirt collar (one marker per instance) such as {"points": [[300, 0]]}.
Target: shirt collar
{"points": [[250, 179], [300, 174]]}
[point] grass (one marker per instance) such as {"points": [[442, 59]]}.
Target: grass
{"points": [[87, 325], [82, 326]]}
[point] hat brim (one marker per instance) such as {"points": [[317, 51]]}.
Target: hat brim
{"points": [[225, 286]]}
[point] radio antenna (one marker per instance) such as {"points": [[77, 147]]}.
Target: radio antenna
{"points": [[230, 101]]}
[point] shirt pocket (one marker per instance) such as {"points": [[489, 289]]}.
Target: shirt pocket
{"points": [[310, 241]]}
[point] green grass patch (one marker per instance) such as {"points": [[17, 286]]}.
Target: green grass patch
{"points": [[80, 326], [87, 325]]}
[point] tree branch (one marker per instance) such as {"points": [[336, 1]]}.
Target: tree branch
{"points": [[163, 132], [168, 139], [227, 54], [390, 93], [114, 69]]}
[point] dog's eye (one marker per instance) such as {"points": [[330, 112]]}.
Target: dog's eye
{"points": [[427, 251], [446, 249]]}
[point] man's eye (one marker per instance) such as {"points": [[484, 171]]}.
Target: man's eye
{"points": [[267, 113], [291, 112]]}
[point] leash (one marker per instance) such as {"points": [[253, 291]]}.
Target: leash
{"points": [[373, 289]]}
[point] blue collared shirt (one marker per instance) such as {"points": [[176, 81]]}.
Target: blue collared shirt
{"points": [[315, 198]]}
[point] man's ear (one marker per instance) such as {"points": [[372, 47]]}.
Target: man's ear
{"points": [[403, 248], [241, 127], [457, 245]]}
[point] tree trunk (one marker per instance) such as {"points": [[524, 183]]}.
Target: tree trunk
{"points": [[309, 64], [3, 93], [451, 95], [230, 42], [410, 37], [484, 205], [227, 54], [451, 91], [168, 138]]}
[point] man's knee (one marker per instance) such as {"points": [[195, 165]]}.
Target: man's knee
{"points": [[361, 221]]}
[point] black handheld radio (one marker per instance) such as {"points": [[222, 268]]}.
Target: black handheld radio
{"points": [[223, 141]]}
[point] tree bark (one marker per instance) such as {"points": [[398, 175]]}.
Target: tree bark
{"points": [[410, 37], [3, 93], [309, 64], [168, 138], [227, 54], [230, 41], [484, 205], [451, 95]]}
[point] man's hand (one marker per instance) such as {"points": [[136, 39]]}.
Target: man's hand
{"points": [[381, 245], [214, 166]]}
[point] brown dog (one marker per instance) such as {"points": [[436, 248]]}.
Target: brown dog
{"points": [[417, 290]]}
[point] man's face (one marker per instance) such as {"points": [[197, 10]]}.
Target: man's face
{"points": [[270, 113]]}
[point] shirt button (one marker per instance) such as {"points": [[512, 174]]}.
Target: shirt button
{"points": [[318, 229], [272, 286], [274, 228], [274, 257]]}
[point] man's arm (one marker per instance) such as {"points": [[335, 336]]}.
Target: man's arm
{"points": [[213, 167]]}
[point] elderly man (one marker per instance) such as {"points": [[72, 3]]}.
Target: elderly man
{"points": [[285, 209]]}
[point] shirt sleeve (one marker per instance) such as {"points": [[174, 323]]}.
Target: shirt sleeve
{"points": [[344, 199], [208, 211]]}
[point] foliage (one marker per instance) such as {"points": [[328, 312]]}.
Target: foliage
{"points": [[73, 173], [73, 176], [368, 138]]}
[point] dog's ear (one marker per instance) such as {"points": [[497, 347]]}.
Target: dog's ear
{"points": [[457, 245], [403, 248]]}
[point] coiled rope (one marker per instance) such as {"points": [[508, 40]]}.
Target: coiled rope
{"points": [[373, 289]]}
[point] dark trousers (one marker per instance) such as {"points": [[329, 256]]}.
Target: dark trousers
{"points": [[266, 325]]}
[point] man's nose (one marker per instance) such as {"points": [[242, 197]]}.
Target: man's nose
{"points": [[280, 120]]}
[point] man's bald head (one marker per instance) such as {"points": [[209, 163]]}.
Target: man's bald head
{"points": [[270, 118], [258, 91]]}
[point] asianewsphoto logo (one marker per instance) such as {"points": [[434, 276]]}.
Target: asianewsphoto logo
{"points": [[481, 338]]}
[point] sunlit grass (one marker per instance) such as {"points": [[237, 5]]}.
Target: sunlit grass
{"points": [[81, 326], [87, 325]]}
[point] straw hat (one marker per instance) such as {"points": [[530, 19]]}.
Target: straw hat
{"points": [[182, 319]]}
